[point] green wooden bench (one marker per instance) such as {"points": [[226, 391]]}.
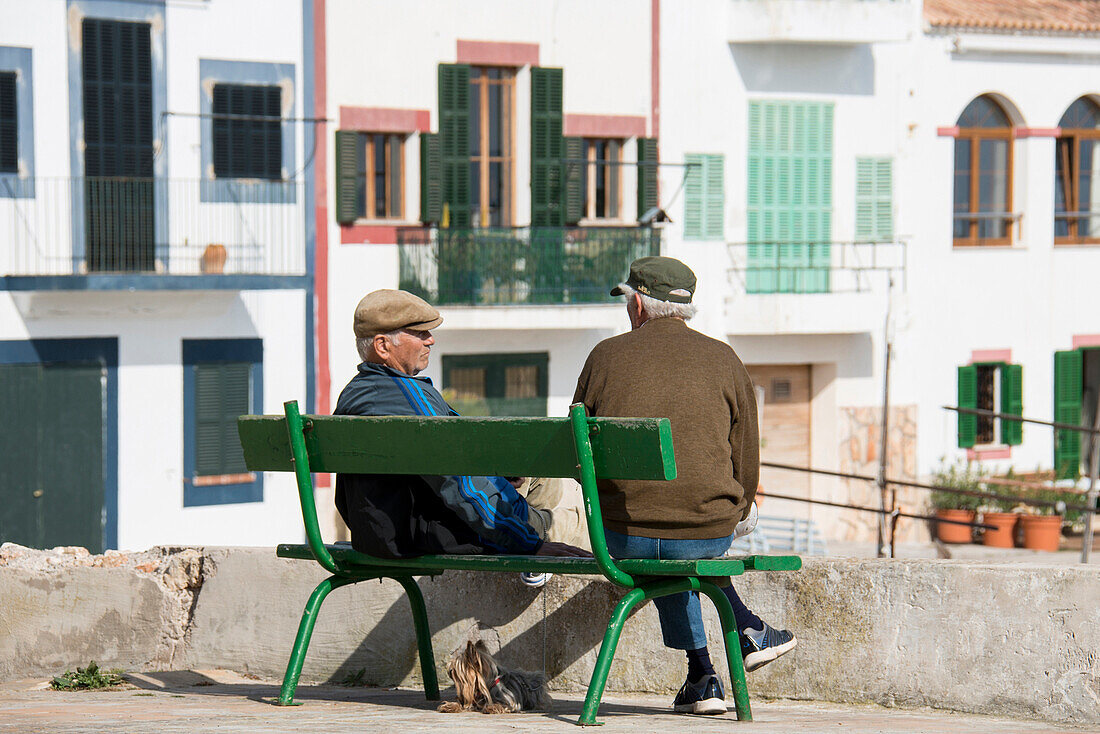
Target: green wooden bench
{"points": [[579, 447]]}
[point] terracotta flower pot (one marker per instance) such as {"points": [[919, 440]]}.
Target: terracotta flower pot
{"points": [[950, 532], [1005, 524], [213, 259], [1042, 532]]}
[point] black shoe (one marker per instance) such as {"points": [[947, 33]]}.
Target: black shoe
{"points": [[774, 643], [705, 697]]}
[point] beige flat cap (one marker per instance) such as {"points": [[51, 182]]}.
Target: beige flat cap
{"points": [[388, 310]]}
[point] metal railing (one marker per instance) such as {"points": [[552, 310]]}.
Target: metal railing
{"points": [[817, 267], [159, 226], [521, 265]]}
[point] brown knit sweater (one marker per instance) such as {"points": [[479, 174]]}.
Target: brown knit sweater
{"points": [[665, 369]]}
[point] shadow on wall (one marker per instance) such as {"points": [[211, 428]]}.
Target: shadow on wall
{"points": [[805, 68], [389, 654]]}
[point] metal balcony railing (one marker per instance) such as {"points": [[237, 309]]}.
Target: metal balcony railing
{"points": [[76, 226], [520, 266], [817, 267]]}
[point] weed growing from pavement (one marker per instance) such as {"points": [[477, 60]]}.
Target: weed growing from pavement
{"points": [[88, 678]]}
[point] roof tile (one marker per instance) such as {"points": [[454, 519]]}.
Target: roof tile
{"points": [[1076, 16]]}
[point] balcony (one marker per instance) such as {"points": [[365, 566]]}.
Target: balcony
{"points": [[541, 266], [846, 22], [807, 288], [151, 234]]}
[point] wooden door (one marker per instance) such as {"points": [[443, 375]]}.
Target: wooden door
{"points": [[784, 432]]}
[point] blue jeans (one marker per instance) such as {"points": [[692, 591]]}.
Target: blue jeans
{"points": [[680, 614]]}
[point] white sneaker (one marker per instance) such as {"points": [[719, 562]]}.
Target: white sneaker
{"points": [[535, 580]]}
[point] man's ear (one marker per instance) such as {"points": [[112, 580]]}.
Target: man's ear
{"points": [[381, 346]]}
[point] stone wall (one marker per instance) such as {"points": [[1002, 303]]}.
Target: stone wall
{"points": [[1017, 640]]}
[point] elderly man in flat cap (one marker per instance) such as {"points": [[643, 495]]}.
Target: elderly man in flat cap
{"points": [[663, 368], [398, 516]]}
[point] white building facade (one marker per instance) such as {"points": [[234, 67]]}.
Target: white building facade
{"points": [[154, 269]]}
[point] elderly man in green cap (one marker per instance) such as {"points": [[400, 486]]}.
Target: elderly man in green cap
{"points": [[398, 516], [663, 368]]}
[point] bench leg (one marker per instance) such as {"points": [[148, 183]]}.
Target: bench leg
{"points": [[423, 636], [305, 631], [733, 649], [607, 653]]}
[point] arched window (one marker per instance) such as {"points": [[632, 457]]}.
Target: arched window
{"points": [[983, 175], [1077, 170]]}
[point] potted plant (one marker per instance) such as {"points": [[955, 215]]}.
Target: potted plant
{"points": [[1041, 526], [953, 506]]}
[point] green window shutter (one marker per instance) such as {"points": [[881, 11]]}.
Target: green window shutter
{"points": [[546, 148], [574, 180], [647, 175], [789, 212], [454, 139], [1012, 403], [9, 124], [693, 196], [222, 392], [1067, 409], [431, 183], [874, 199], [968, 398], [346, 169], [714, 199]]}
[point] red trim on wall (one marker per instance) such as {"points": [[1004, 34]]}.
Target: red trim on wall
{"points": [[368, 234], [983, 454], [991, 355], [948, 132], [320, 209], [497, 53], [1038, 132], [604, 126], [385, 120], [655, 72], [1086, 340]]}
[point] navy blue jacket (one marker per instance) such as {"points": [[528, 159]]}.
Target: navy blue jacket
{"points": [[399, 516]]}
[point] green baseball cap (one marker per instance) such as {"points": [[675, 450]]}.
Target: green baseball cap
{"points": [[663, 278]]}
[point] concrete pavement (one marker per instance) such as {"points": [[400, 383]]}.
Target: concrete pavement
{"points": [[223, 701]]}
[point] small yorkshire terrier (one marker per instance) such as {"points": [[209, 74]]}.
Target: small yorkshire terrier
{"points": [[481, 684]]}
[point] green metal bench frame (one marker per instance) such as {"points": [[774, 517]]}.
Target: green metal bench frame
{"points": [[625, 448]]}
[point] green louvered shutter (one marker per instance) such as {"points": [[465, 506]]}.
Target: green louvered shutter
{"points": [[714, 198], [222, 392], [968, 398], [9, 124], [431, 178], [454, 141], [574, 180], [1012, 403], [874, 199], [693, 196], [647, 175], [790, 196], [547, 145], [1067, 409], [346, 170]]}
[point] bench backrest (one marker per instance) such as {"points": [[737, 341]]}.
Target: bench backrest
{"points": [[579, 447]]}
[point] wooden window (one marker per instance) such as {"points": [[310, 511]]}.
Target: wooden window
{"points": [[1077, 175], [248, 131], [874, 199], [983, 175], [380, 176], [994, 386], [600, 189], [9, 124], [222, 394], [492, 150], [496, 384], [1076, 385]]}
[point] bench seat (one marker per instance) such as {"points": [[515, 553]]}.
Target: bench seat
{"points": [[426, 565]]}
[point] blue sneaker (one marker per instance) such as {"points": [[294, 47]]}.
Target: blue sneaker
{"points": [[761, 648], [705, 697]]}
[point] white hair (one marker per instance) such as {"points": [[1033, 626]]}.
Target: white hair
{"points": [[363, 343], [660, 309]]}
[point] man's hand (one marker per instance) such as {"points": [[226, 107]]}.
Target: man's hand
{"points": [[561, 549], [516, 482]]}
